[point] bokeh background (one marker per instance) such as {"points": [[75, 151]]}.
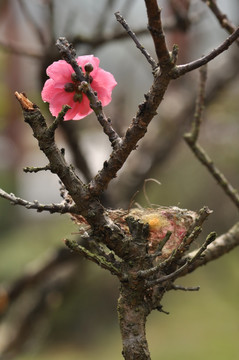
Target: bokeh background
{"points": [[63, 307]]}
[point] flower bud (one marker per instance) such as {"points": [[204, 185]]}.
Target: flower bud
{"points": [[78, 97], [89, 67], [69, 87], [74, 77]]}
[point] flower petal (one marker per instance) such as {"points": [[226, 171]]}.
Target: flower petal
{"points": [[83, 60], [49, 90], [60, 71], [60, 74], [103, 83], [60, 99]]}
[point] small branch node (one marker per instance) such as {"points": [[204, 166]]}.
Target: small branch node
{"points": [[33, 169]]}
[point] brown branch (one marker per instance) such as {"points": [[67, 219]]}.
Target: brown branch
{"points": [[221, 245], [183, 69], [200, 153], [85, 201], [199, 104], [156, 29], [62, 208], [221, 17], [100, 260], [136, 131], [122, 21], [187, 264]]}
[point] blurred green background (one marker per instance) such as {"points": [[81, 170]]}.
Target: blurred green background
{"points": [[79, 318]]}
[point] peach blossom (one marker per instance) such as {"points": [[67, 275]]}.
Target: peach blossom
{"points": [[62, 89]]}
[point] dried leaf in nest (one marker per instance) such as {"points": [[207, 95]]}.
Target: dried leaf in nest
{"points": [[161, 220]]}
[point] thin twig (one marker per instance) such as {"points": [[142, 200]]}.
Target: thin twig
{"points": [[122, 21], [200, 153], [183, 288], [101, 261], [60, 117], [172, 276], [220, 246], [183, 69], [221, 17], [61, 208], [192, 234], [199, 104], [222, 181], [34, 169]]}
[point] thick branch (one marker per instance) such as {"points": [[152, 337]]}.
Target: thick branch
{"points": [[156, 29], [132, 313], [86, 204]]}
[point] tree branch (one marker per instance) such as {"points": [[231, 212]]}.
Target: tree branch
{"points": [[183, 69], [199, 152], [62, 208], [221, 245], [222, 18], [156, 29], [122, 21]]}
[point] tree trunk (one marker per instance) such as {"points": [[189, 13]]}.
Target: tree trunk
{"points": [[132, 313]]}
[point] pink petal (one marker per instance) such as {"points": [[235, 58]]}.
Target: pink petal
{"points": [[60, 74], [83, 60], [49, 90], [60, 99], [60, 71], [72, 112], [103, 83], [82, 109]]}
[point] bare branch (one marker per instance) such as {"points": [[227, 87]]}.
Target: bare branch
{"points": [[183, 288], [222, 18], [200, 153], [199, 104], [100, 260], [175, 274], [221, 245], [183, 69], [156, 29], [122, 21], [61, 208]]}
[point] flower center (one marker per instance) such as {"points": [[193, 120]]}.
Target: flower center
{"points": [[75, 86]]}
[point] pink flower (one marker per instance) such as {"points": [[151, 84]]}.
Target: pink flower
{"points": [[62, 88]]}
